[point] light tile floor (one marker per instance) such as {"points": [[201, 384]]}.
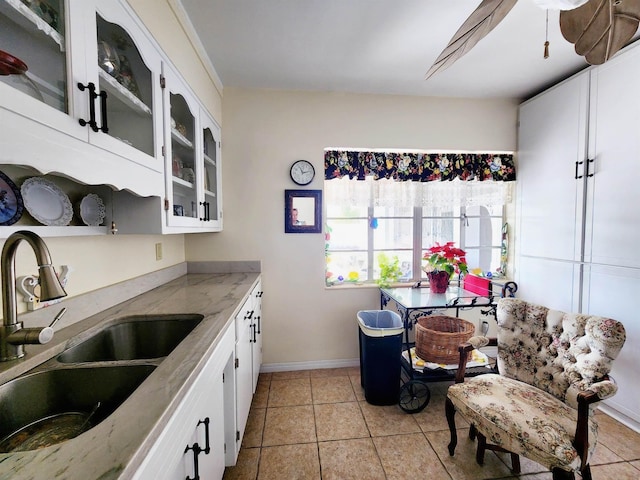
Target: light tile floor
{"points": [[316, 424]]}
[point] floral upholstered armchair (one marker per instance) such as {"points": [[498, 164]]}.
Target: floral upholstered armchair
{"points": [[554, 369]]}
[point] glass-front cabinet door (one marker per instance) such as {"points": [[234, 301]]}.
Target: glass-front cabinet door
{"points": [[125, 67], [34, 72], [181, 153], [212, 171]]}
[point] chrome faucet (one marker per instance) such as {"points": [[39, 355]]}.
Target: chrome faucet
{"points": [[12, 334]]}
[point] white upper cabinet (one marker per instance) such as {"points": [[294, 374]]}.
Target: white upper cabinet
{"points": [[87, 93], [65, 113]]}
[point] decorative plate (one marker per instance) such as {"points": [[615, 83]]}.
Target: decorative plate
{"points": [[11, 206], [45, 202], [92, 210]]}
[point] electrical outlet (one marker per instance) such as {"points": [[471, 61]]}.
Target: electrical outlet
{"points": [[158, 251]]}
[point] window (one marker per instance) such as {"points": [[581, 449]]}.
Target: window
{"points": [[367, 217]]}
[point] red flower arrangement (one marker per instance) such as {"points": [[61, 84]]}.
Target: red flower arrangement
{"points": [[445, 258]]}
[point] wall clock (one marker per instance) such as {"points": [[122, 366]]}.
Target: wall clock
{"points": [[302, 172]]}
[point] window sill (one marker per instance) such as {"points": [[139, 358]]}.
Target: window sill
{"points": [[354, 285]]}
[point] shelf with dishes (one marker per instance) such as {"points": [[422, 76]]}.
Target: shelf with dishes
{"points": [[127, 98], [43, 23], [180, 138], [50, 205]]}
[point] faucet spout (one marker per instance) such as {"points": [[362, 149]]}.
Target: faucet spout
{"points": [[50, 289]]}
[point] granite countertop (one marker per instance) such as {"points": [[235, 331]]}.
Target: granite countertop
{"points": [[115, 448]]}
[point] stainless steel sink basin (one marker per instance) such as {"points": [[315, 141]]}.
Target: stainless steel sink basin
{"points": [[47, 407], [133, 338]]}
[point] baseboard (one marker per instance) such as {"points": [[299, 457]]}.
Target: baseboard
{"points": [[621, 417], [285, 367]]}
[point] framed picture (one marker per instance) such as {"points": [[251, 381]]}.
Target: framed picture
{"points": [[11, 204], [178, 210], [303, 211]]}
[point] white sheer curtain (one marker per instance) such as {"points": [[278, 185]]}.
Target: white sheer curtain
{"points": [[388, 193]]}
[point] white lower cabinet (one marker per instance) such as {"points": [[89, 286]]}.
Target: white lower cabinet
{"points": [[193, 443], [247, 363]]}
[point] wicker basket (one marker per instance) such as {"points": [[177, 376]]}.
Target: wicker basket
{"points": [[438, 338]]}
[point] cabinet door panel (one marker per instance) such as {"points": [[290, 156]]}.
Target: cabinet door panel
{"points": [[554, 284], [613, 230], [611, 292], [552, 138], [244, 381]]}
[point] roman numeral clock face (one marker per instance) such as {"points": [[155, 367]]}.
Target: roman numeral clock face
{"points": [[302, 172]]}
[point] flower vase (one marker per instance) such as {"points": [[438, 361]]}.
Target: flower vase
{"points": [[438, 281]]}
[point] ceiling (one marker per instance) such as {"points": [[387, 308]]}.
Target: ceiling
{"points": [[378, 46]]}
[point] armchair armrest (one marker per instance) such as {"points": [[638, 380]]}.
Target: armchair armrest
{"points": [[465, 348], [599, 391]]}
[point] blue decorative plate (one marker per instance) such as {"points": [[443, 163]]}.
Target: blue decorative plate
{"points": [[11, 205]]}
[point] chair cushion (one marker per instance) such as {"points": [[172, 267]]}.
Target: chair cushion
{"points": [[522, 419]]}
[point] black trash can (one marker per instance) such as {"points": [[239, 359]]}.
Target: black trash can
{"points": [[380, 338]]}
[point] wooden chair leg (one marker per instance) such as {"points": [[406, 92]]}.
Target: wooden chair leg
{"points": [[559, 474], [586, 472], [450, 411], [515, 463], [482, 445]]}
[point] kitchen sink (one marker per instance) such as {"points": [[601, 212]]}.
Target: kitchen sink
{"points": [[133, 338], [48, 407]]}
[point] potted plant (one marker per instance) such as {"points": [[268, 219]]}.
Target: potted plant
{"points": [[389, 270], [442, 262]]}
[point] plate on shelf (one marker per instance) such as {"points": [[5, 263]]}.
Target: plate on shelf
{"points": [[11, 206], [92, 211], [45, 202]]}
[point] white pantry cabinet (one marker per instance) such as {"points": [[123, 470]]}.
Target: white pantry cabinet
{"points": [[577, 228], [192, 445]]}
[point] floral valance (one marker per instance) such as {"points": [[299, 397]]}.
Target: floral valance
{"points": [[419, 167]]}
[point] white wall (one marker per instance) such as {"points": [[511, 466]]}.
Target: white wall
{"points": [[263, 133]]}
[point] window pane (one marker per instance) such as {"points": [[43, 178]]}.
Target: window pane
{"points": [[404, 260], [393, 233], [348, 234], [440, 230], [339, 208], [486, 259], [483, 232], [346, 266]]}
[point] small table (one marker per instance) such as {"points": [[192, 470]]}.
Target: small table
{"points": [[413, 302]]}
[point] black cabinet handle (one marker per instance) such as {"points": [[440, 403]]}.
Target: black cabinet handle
{"points": [[207, 447], [92, 105], [103, 111], [92, 108], [576, 176], [258, 318], [196, 470], [248, 315], [588, 162], [204, 209]]}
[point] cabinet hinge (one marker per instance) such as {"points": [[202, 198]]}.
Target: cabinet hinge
{"points": [[163, 81], [225, 448], [166, 204], [223, 378], [237, 435], [163, 151], [237, 364]]}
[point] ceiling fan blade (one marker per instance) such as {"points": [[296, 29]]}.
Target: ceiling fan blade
{"points": [[600, 28], [483, 19]]}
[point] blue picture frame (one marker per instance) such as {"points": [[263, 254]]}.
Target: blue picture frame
{"points": [[303, 211]]}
